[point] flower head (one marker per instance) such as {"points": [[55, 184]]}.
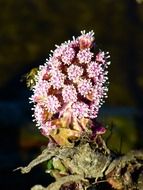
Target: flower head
{"points": [[71, 85], [84, 86]]}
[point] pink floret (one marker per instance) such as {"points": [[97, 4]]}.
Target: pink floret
{"points": [[84, 56], [69, 93]]}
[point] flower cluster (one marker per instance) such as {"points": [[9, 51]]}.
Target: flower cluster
{"points": [[74, 77]]}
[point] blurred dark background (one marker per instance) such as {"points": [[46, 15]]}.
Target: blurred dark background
{"points": [[28, 31]]}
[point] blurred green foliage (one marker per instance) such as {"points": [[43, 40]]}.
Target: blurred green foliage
{"points": [[139, 1], [121, 135]]}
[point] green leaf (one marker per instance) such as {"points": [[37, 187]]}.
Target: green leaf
{"points": [[50, 164]]}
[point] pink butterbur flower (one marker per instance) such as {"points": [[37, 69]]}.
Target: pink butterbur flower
{"points": [[94, 69], [84, 56], [70, 87], [39, 115], [100, 57], [53, 63], [42, 73], [74, 72], [80, 110], [53, 104], [40, 92], [68, 55], [84, 86], [86, 39], [57, 53], [69, 94], [57, 79]]}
